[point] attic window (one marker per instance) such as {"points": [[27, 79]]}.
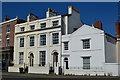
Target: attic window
{"points": [[22, 28], [55, 23], [32, 27]]}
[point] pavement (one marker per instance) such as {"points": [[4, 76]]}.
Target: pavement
{"points": [[26, 76]]}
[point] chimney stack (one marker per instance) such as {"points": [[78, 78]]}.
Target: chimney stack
{"points": [[32, 17], [117, 29], [51, 13], [98, 24], [6, 18], [71, 9]]}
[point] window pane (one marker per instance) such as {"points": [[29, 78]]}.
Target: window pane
{"points": [[43, 25], [21, 42], [65, 45], [21, 58], [42, 39], [55, 23], [22, 28], [42, 58], [32, 41], [32, 27], [86, 44], [55, 38], [86, 62]]}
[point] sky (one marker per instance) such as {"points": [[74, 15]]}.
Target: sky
{"points": [[106, 12]]}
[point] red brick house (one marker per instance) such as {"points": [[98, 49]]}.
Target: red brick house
{"points": [[7, 40]]}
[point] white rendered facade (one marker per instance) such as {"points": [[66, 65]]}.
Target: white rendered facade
{"points": [[100, 55], [29, 54], [86, 51]]}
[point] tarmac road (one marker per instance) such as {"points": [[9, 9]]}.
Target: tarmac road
{"points": [[18, 76]]}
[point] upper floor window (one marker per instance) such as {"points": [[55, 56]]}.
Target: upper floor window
{"points": [[86, 62], [43, 25], [32, 27], [8, 28], [7, 41], [65, 45], [22, 28], [21, 42], [55, 37], [31, 40], [55, 23], [42, 58], [21, 57], [86, 43], [42, 39]]}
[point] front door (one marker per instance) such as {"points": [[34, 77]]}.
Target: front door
{"points": [[55, 59], [31, 59]]}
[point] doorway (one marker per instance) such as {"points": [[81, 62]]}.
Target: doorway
{"points": [[31, 59]]}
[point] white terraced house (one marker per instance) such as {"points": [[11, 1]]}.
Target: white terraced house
{"points": [[62, 44], [38, 46]]}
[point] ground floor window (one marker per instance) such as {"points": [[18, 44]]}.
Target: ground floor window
{"points": [[86, 62], [42, 58], [21, 57]]}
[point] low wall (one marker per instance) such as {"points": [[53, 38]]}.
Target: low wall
{"points": [[13, 69], [83, 72], [39, 70], [113, 69]]}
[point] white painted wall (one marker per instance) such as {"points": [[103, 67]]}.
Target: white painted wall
{"points": [[96, 51], [110, 49]]}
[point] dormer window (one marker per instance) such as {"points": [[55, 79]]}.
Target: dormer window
{"points": [[43, 25], [55, 23], [32, 27], [22, 28]]}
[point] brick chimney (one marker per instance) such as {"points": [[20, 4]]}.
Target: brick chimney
{"points": [[6, 18], [117, 29], [98, 24]]}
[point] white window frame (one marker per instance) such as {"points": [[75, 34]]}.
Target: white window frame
{"points": [[42, 40], [86, 62], [42, 58], [21, 42], [22, 28], [55, 23], [55, 39], [66, 46], [31, 27], [32, 42], [21, 57], [86, 43], [43, 25]]}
